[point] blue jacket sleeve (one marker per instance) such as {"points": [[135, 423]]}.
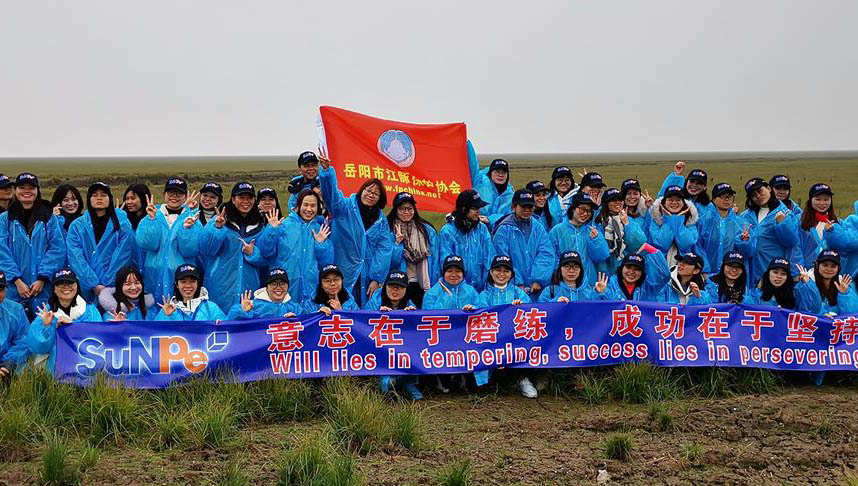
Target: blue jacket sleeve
{"points": [[807, 298], [331, 194], [473, 164], [149, 234], [848, 303], [41, 338], [18, 348], [634, 236], [842, 238], [324, 252], [125, 247], [661, 235], [597, 248], [236, 312], [267, 241], [78, 258], [213, 312], [7, 260], [380, 248], [686, 236], [543, 263], [657, 271], [212, 239], [671, 180], [786, 231], [55, 254], [188, 239]]}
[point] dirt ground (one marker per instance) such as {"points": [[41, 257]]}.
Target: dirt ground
{"points": [[802, 436]]}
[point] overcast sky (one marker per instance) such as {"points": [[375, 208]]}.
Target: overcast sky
{"points": [[225, 77]]}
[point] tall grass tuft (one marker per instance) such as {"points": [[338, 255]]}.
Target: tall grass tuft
{"points": [[757, 381], [642, 383], [316, 459], [55, 404], [215, 423], [691, 452], [356, 414], [618, 446], [57, 468], [456, 474], [406, 426], [660, 414], [170, 428], [593, 388], [280, 400], [88, 457], [233, 474], [18, 431], [716, 382], [114, 413]]}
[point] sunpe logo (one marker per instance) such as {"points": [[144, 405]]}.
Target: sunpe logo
{"points": [[155, 355]]}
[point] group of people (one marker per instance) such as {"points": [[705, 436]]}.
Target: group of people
{"points": [[201, 256]]}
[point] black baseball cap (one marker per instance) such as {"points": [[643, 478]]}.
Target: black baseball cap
{"points": [[536, 187], [266, 191], [698, 175], [453, 261], [176, 184], [582, 198], [5, 182], [780, 180], [501, 261], [276, 274], [404, 197], [499, 164], [630, 184], [571, 257], [562, 171], [690, 258], [27, 178], [65, 275], [592, 179], [396, 278], [328, 269], [470, 199], [523, 197], [722, 188], [781, 263], [635, 260], [818, 189], [98, 185], [187, 270], [306, 158], [828, 256], [734, 257], [673, 190], [754, 184], [212, 187], [2, 280], [243, 188], [611, 194]]}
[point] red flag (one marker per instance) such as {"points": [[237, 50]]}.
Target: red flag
{"points": [[429, 161]]}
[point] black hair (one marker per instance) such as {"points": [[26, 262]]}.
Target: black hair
{"points": [[773, 203], [143, 192], [253, 217], [784, 295], [418, 220], [121, 298], [557, 277], [385, 300], [299, 199], [178, 295], [109, 211], [622, 283], [684, 207], [276, 202], [54, 301], [57, 200], [808, 216], [321, 296], [702, 198], [460, 216], [831, 292], [491, 281], [721, 281]]}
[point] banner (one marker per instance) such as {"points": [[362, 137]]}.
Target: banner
{"points": [[429, 161], [553, 335]]}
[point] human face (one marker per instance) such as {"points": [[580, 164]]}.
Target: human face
{"points": [[99, 199], [500, 176], [540, 198], [70, 203], [243, 202], [501, 275], [309, 208], [174, 199], [695, 187], [631, 274], [395, 292], [673, 204], [828, 269], [133, 202], [267, 204], [473, 214], [595, 192], [581, 214], [782, 193], [6, 194], [277, 290], [331, 284], [370, 196], [615, 206], [563, 184], [188, 287], [570, 273], [309, 171], [65, 291], [26, 194], [633, 197], [724, 201], [777, 277], [821, 203], [132, 287], [522, 211], [733, 271], [208, 200], [405, 212], [686, 269], [453, 275], [761, 196]]}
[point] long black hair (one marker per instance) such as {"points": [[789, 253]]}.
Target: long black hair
{"points": [[557, 277], [119, 295], [178, 295], [784, 295], [110, 210], [143, 193], [54, 301], [702, 198], [321, 296], [723, 289], [419, 221], [385, 300], [831, 292], [57, 200], [460, 214], [773, 203]]}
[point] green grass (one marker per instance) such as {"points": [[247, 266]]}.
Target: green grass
{"points": [[643, 383], [317, 459], [114, 413], [592, 387], [661, 417], [214, 424], [691, 452], [57, 465], [456, 474], [618, 446], [406, 426]]}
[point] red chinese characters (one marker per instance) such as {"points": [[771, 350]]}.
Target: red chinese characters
{"points": [[670, 323], [626, 321], [800, 328], [757, 320], [385, 331], [844, 330], [714, 325], [529, 324], [285, 336], [482, 328], [434, 324], [336, 332]]}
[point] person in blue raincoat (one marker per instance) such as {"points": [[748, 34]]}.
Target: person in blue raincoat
{"points": [[361, 235], [228, 247], [733, 232], [492, 183], [639, 277], [777, 288], [331, 293], [636, 202], [622, 234], [694, 189], [273, 300], [578, 233], [100, 242], [593, 185], [835, 289], [673, 226], [65, 306], [562, 190], [211, 198], [190, 299], [500, 289], [67, 205], [127, 300], [467, 235], [158, 236], [687, 284], [451, 291], [782, 189], [301, 244], [13, 333], [730, 284], [567, 283], [820, 228], [415, 249], [850, 253], [6, 192], [32, 246], [134, 205], [308, 166], [773, 227], [541, 212], [527, 243]]}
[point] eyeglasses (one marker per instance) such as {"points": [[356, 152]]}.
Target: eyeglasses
{"points": [[371, 193], [64, 284], [279, 283], [406, 209]]}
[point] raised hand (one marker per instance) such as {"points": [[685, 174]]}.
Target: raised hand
{"points": [[190, 220], [593, 232], [220, 218], [563, 299], [601, 283], [371, 288], [624, 216], [150, 206], [780, 216], [803, 273], [695, 289], [57, 210], [335, 304], [828, 225], [273, 218], [399, 235], [116, 316], [193, 200], [842, 283], [746, 232], [323, 234], [648, 200], [46, 314], [246, 301], [120, 204], [582, 173], [167, 306], [679, 167], [247, 248], [324, 161]]}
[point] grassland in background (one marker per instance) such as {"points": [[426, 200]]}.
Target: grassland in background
{"points": [[841, 172]]}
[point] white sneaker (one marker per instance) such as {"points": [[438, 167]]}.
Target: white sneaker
{"points": [[526, 388]]}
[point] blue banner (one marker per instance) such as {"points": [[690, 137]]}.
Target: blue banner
{"points": [[552, 335]]}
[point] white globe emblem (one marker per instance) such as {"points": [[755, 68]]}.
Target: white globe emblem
{"points": [[397, 146]]}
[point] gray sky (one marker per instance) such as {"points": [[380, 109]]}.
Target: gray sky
{"points": [[225, 77]]}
